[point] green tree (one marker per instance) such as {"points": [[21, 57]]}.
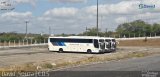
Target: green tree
{"points": [[40, 39], [156, 28], [134, 28], [92, 32], [10, 36]]}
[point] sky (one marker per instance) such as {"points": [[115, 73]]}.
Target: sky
{"points": [[73, 16]]}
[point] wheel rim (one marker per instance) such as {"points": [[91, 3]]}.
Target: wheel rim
{"points": [[89, 51], [60, 50]]}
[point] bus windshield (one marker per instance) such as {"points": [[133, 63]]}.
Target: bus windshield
{"points": [[107, 40], [113, 40], [101, 40]]}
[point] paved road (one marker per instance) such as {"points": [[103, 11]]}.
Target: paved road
{"points": [[136, 67]]}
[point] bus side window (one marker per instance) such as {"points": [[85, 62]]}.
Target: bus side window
{"points": [[96, 45]]}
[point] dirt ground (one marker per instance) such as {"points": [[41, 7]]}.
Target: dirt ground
{"points": [[142, 42], [39, 56], [35, 55]]}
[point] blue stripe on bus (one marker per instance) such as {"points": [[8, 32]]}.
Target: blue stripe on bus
{"points": [[54, 43], [63, 44], [58, 43]]}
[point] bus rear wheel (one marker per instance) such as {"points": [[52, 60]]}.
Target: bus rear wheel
{"points": [[60, 50], [89, 51]]}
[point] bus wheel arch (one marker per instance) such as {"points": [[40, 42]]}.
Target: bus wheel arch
{"points": [[60, 50], [89, 51]]}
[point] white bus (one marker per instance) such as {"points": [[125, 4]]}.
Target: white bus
{"points": [[87, 44]]}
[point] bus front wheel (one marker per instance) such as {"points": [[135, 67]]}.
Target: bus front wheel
{"points": [[89, 51], [60, 50]]}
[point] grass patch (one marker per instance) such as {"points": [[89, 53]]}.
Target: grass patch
{"points": [[24, 67], [104, 58], [139, 54], [63, 64], [87, 60], [47, 66]]}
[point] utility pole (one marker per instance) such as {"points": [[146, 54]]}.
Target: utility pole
{"points": [[86, 29], [26, 28], [97, 19], [49, 30]]}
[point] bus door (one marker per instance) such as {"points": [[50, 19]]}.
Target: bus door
{"points": [[101, 44], [96, 44]]}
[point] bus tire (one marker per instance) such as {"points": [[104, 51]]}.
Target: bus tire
{"points": [[109, 51], [60, 50], [89, 51]]}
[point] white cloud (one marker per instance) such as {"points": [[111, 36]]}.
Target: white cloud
{"points": [[61, 12], [32, 2], [15, 21], [148, 17], [120, 20], [150, 1], [124, 7], [68, 1], [15, 16]]}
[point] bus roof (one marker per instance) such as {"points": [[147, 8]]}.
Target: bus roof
{"points": [[84, 37]]}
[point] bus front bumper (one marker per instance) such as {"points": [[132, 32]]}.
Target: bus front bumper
{"points": [[110, 49], [102, 51]]}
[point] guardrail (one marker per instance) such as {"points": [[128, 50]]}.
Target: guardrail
{"points": [[23, 46]]}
